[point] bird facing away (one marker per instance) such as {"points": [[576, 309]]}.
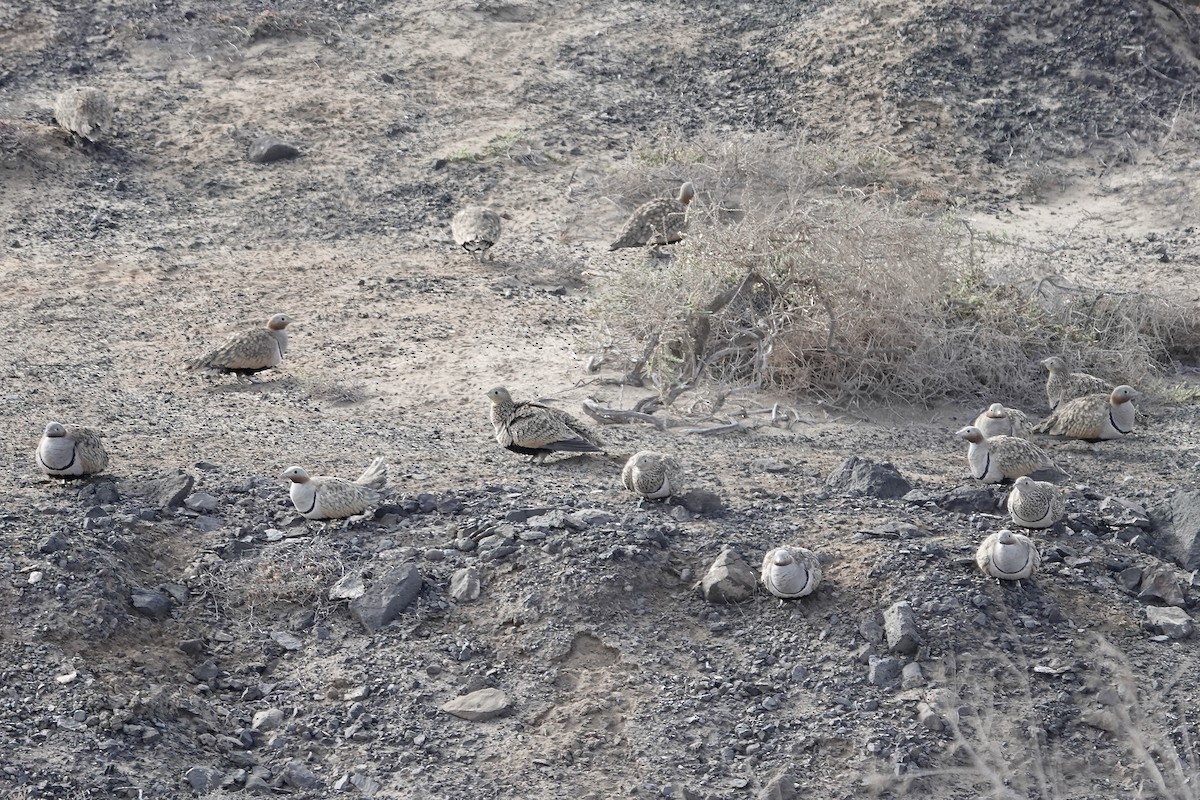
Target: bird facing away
{"points": [[657, 222], [536, 430], [1001, 421], [1008, 556], [790, 573], [1004, 457], [1063, 385], [1094, 417], [69, 451], [652, 475], [1035, 504], [318, 497], [249, 351], [475, 229], [84, 112]]}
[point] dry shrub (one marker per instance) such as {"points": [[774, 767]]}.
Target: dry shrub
{"points": [[791, 281], [278, 577]]}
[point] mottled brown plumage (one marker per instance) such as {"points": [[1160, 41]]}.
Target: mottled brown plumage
{"points": [[70, 451], [84, 112], [657, 222], [1035, 504], [537, 430], [1001, 421], [792, 572], [1008, 556], [475, 229], [1095, 417], [1063, 385], [652, 475], [250, 351]]}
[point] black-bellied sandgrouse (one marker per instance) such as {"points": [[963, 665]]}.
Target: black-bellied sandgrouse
{"points": [[1001, 421], [1005, 457], [658, 222], [84, 112], [1008, 556], [1063, 385], [652, 475], [1035, 504], [475, 229], [1095, 417], [790, 572], [247, 352], [537, 430]]}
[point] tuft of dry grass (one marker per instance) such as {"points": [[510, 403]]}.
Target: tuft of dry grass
{"points": [[279, 577], [794, 280]]}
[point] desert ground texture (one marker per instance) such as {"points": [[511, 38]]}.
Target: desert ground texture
{"points": [[167, 628]]}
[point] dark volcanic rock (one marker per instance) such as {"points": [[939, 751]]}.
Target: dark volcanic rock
{"points": [[861, 475], [1179, 519], [729, 579], [1160, 586], [266, 149], [900, 628], [387, 596], [152, 602], [169, 491]]}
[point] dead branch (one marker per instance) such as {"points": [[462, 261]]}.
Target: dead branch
{"points": [[621, 416], [732, 427]]}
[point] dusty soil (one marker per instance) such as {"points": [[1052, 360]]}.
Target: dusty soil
{"points": [[1069, 128]]}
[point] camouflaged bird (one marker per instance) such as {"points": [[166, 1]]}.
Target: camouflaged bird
{"points": [[1005, 457], [84, 112], [652, 475], [1035, 504], [1095, 417], [1001, 421], [789, 573], [1008, 556], [249, 351], [475, 229], [657, 222], [317, 497], [536, 430], [70, 451], [1063, 385]]}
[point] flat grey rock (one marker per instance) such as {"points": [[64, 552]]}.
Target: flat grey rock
{"points": [[729, 579], [169, 491], [387, 596], [1173, 622], [465, 584], [1179, 519], [266, 149], [1160, 586], [151, 602], [900, 629], [204, 779], [862, 475], [479, 706]]}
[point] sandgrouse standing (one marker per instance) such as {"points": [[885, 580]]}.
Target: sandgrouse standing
{"points": [[475, 229], [1005, 457], [1035, 504], [1008, 556], [536, 430], [652, 475], [317, 497], [789, 573], [249, 351], [1001, 421], [1094, 417], [69, 451], [84, 112], [657, 222], [1063, 385]]}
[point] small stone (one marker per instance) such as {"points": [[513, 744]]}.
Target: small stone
{"points": [[203, 779], [1171, 621], [465, 584], [297, 776], [387, 596], [479, 706], [911, 676], [152, 602], [267, 720], [348, 587], [900, 628], [552, 520], [883, 671], [1130, 578], [929, 718], [193, 647], [864, 476], [767, 464], [287, 640], [729, 579], [52, 544], [266, 149], [202, 502], [703, 503], [1160, 586], [169, 491], [1179, 519], [783, 785]]}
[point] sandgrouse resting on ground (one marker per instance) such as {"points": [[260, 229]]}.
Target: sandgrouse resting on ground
{"points": [[317, 497], [249, 351], [69, 451], [84, 112], [789, 573], [536, 430], [1035, 504], [1001, 421], [1095, 417], [657, 222], [1008, 556], [1005, 457], [1063, 385], [652, 475], [475, 229]]}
